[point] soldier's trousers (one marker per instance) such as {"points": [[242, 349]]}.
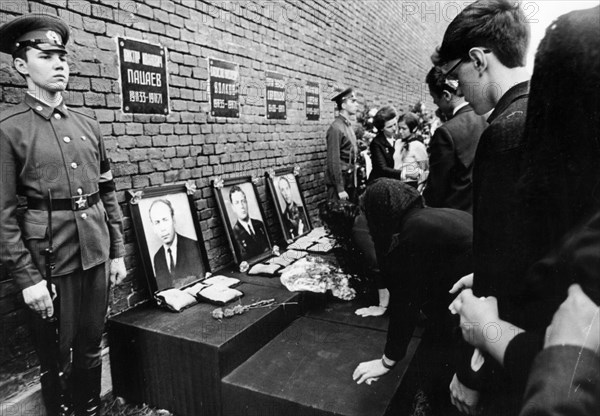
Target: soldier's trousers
{"points": [[81, 303]]}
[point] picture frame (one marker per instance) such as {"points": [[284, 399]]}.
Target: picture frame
{"points": [[284, 186], [164, 217], [249, 239]]}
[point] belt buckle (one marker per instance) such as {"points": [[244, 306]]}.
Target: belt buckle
{"points": [[79, 202]]}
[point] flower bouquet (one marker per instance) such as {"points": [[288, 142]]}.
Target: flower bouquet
{"points": [[315, 274]]}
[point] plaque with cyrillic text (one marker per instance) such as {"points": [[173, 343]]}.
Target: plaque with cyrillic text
{"points": [[224, 88], [276, 109], [313, 109], [144, 83]]}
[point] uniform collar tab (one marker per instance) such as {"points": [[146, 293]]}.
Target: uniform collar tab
{"points": [[44, 109]]}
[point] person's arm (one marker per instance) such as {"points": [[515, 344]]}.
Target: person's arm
{"points": [[106, 187], [14, 254], [334, 165], [380, 163], [441, 162], [565, 377]]}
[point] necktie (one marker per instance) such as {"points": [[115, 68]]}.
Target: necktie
{"points": [[171, 262], [251, 230]]}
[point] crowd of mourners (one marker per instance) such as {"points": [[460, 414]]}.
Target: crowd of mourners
{"points": [[486, 216]]}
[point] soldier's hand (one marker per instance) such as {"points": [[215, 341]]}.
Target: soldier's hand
{"points": [[38, 299], [343, 195], [118, 271]]}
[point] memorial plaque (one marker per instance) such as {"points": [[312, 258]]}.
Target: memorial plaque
{"points": [[224, 88], [313, 99], [144, 83], [276, 109]]}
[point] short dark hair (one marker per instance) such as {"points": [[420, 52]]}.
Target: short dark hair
{"points": [[411, 120], [233, 190], [384, 115], [498, 25], [437, 82]]}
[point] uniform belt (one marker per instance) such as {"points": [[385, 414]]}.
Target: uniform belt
{"points": [[76, 203]]}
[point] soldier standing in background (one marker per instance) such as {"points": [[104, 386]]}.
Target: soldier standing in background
{"points": [[49, 148], [342, 150]]}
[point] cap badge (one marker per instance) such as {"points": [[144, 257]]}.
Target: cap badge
{"points": [[54, 37]]}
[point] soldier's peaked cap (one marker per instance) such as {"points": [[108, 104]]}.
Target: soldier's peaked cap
{"points": [[40, 31], [344, 94]]}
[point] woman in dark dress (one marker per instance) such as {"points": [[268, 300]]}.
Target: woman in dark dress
{"points": [[382, 146]]}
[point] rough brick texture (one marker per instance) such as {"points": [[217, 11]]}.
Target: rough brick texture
{"points": [[380, 47]]}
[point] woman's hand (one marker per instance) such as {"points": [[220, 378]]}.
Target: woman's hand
{"points": [[369, 371]]}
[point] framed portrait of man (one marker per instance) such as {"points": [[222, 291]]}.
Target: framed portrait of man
{"points": [[243, 218], [284, 186], [169, 237]]}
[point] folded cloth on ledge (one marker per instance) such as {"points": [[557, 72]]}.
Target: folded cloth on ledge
{"points": [[221, 281], [301, 244], [323, 245], [193, 290], [261, 268], [287, 258], [220, 295], [175, 299]]}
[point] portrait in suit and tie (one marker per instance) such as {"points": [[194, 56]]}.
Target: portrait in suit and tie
{"points": [[179, 257], [168, 235]]}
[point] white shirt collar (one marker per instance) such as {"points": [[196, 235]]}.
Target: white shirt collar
{"points": [[458, 107]]}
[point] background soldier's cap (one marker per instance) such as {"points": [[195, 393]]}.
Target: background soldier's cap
{"points": [[40, 31], [344, 94]]}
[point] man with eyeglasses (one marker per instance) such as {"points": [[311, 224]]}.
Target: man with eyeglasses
{"points": [[489, 64], [342, 149]]}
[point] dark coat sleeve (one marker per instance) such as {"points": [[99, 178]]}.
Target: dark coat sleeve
{"points": [[564, 381], [334, 166], [577, 260], [441, 163]]}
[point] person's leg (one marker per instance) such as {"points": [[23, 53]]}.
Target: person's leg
{"points": [[87, 350]]}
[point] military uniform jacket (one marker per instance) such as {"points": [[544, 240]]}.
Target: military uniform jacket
{"points": [[248, 246], [341, 154], [60, 149]]}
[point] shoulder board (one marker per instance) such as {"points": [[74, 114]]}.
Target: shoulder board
{"points": [[5, 114], [84, 112]]}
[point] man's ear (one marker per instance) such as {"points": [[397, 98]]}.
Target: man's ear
{"points": [[446, 96], [478, 59], [21, 66]]}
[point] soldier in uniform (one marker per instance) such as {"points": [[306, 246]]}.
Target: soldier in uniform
{"points": [[342, 149], [47, 149]]}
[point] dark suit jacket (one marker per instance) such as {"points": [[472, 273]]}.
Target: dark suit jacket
{"points": [[248, 246], [382, 158], [188, 263], [452, 149]]}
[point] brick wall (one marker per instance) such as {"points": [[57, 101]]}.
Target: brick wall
{"points": [[380, 47]]}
